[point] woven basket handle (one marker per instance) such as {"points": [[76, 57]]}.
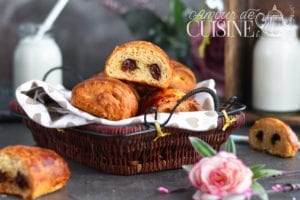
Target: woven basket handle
{"points": [[188, 95]]}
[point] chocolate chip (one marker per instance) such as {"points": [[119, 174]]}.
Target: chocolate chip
{"points": [[155, 71], [129, 65], [260, 136], [275, 138], [21, 181], [3, 176]]}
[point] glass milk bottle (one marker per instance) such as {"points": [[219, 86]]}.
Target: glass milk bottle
{"points": [[33, 58], [276, 69]]}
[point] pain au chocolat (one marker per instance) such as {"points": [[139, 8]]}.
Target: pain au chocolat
{"points": [[30, 172], [140, 62], [166, 99], [273, 136], [105, 97]]}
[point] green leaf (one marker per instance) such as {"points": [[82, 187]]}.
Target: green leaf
{"points": [[259, 190], [176, 18], [257, 167], [230, 146], [259, 172], [205, 39], [204, 149], [187, 167], [266, 172], [142, 21], [256, 170]]}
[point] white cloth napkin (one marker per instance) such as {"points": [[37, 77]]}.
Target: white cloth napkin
{"points": [[50, 107]]}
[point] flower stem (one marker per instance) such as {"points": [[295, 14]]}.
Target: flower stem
{"points": [[283, 173]]}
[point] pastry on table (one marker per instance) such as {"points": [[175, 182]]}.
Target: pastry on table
{"points": [[166, 99], [274, 136], [105, 97], [183, 77], [31, 172], [141, 62]]}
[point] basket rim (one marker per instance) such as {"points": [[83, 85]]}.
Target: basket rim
{"points": [[148, 129], [231, 107], [142, 132]]}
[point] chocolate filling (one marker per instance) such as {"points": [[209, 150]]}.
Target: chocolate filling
{"points": [[129, 65], [21, 181], [275, 138], [3, 176], [155, 71], [260, 136]]}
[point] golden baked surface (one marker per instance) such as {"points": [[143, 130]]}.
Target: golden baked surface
{"points": [[105, 97], [137, 75], [183, 77], [166, 99], [141, 62], [273, 136], [30, 172]]}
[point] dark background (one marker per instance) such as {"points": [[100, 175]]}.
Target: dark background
{"points": [[86, 32]]}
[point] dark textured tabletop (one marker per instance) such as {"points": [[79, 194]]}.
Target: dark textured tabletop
{"points": [[89, 184]]}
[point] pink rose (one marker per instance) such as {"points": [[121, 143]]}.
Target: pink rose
{"points": [[221, 175]]}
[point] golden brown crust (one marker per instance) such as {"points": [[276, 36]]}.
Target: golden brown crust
{"points": [[30, 171], [105, 97], [140, 62], [99, 74], [273, 136], [166, 99], [183, 77]]}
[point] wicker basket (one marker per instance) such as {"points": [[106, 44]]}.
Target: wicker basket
{"points": [[133, 149]]}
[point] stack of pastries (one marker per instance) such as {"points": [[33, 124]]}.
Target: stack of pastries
{"points": [[137, 75]]}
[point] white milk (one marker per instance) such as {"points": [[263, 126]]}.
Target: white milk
{"points": [[34, 58], [276, 70]]}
